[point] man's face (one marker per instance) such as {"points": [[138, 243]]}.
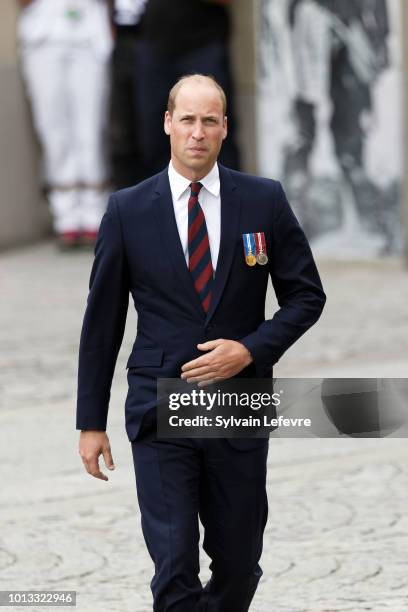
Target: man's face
{"points": [[196, 129]]}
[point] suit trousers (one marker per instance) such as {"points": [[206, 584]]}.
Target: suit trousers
{"points": [[125, 148], [179, 481]]}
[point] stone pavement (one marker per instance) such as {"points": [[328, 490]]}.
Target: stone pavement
{"points": [[337, 534]]}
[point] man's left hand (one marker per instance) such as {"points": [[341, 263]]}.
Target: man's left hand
{"points": [[224, 359]]}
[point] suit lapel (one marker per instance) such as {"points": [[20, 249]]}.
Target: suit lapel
{"points": [[230, 215], [164, 212]]}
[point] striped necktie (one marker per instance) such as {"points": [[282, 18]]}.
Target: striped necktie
{"points": [[199, 254]]}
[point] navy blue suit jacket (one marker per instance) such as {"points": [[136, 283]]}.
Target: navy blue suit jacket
{"points": [[139, 251]]}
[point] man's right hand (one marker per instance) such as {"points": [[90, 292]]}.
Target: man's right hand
{"points": [[93, 443]]}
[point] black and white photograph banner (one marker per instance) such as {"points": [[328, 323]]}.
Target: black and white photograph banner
{"points": [[330, 119]]}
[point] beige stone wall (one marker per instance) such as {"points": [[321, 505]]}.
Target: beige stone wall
{"points": [[23, 213]]}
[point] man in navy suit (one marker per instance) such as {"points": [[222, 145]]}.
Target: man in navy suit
{"points": [[195, 246]]}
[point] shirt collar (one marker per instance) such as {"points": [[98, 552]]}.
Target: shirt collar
{"points": [[179, 184]]}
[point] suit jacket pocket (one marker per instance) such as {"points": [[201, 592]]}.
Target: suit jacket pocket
{"points": [[145, 357]]}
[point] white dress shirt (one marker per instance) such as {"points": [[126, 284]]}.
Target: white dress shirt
{"points": [[210, 202]]}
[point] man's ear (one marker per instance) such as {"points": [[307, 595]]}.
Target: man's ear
{"points": [[225, 128], [167, 122]]}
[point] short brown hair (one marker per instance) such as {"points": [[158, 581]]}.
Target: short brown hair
{"points": [[171, 104]]}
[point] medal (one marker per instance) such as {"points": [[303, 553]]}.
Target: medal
{"points": [[262, 259], [73, 14], [250, 259], [73, 10], [261, 256], [249, 249]]}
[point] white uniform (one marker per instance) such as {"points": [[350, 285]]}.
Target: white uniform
{"points": [[65, 50]]}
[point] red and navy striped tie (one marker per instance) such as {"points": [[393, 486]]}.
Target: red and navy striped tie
{"points": [[199, 263]]}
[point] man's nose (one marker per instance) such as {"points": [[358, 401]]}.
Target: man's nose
{"points": [[198, 132]]}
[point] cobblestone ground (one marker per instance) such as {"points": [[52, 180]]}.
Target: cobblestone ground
{"points": [[337, 533]]}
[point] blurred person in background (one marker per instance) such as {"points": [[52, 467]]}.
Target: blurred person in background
{"points": [[125, 150], [177, 38], [65, 50]]}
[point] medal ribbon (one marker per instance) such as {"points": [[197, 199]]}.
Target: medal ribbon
{"points": [[260, 243], [249, 244]]}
